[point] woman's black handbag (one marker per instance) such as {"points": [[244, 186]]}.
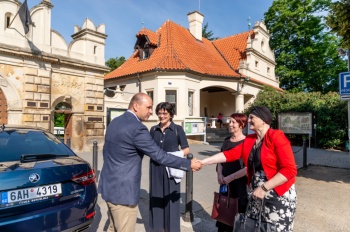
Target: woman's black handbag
{"points": [[244, 223]]}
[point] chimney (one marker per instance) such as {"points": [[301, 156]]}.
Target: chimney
{"points": [[195, 20]]}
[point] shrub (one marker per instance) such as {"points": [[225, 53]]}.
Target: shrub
{"points": [[329, 112]]}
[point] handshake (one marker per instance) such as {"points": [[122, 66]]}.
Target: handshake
{"points": [[196, 164]]}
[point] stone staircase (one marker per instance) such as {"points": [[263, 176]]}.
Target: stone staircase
{"points": [[217, 135]]}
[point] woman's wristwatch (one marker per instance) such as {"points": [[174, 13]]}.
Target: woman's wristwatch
{"points": [[264, 188]]}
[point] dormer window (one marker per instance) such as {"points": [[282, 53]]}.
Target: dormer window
{"points": [[145, 51], [144, 47]]}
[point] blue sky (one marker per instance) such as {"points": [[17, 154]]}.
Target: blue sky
{"points": [[123, 18]]}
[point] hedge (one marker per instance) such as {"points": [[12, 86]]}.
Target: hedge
{"points": [[330, 114]]}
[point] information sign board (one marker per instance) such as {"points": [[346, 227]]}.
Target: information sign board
{"points": [[113, 113], [195, 126], [344, 85], [295, 122]]}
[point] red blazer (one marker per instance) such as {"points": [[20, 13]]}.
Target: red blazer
{"points": [[276, 156]]}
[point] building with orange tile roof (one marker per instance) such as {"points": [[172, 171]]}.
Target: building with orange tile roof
{"points": [[201, 77]]}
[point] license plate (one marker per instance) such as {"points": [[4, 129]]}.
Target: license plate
{"points": [[31, 194]]}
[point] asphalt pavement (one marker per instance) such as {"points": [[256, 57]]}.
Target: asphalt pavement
{"points": [[204, 185]]}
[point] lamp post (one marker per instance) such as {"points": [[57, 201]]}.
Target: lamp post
{"points": [[347, 54], [344, 52]]}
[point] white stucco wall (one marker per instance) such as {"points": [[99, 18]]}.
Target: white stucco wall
{"points": [[88, 45], [260, 57]]}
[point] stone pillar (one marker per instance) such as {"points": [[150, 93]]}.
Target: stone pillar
{"points": [[239, 102]]}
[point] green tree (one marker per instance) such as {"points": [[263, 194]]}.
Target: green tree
{"points": [[59, 119], [338, 20], [114, 63], [306, 54], [208, 34]]}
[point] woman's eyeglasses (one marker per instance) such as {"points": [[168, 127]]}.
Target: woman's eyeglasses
{"points": [[164, 114]]}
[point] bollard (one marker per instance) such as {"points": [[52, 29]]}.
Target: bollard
{"points": [[304, 154], [94, 158], [189, 194], [68, 142]]}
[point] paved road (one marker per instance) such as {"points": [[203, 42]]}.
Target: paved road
{"points": [[205, 184]]}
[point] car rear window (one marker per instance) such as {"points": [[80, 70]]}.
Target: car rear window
{"points": [[14, 143]]}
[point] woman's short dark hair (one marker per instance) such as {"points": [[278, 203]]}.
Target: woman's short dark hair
{"points": [[167, 107], [241, 119]]}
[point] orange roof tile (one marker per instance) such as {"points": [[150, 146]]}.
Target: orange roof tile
{"points": [[232, 48], [152, 36], [177, 49]]}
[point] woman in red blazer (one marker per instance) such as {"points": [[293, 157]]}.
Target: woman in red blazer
{"points": [[271, 167]]}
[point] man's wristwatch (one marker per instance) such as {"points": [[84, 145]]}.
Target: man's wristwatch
{"points": [[264, 188]]}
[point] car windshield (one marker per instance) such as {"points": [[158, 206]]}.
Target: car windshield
{"points": [[15, 143]]}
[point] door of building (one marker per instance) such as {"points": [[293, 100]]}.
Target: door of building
{"points": [[3, 108], [64, 109]]}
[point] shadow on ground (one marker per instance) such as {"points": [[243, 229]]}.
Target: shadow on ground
{"points": [[98, 218], [213, 149], [323, 173], [206, 224]]}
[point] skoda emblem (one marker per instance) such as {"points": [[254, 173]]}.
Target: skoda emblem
{"points": [[34, 178]]}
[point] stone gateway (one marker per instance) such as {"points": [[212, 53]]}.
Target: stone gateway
{"points": [[42, 76]]}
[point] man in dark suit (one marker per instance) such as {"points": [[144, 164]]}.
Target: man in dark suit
{"points": [[126, 142]]}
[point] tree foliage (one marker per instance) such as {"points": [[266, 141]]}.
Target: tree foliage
{"points": [[114, 63], [338, 20], [208, 34], [329, 111], [59, 119], [306, 54]]}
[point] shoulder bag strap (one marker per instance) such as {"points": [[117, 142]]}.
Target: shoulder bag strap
{"points": [[177, 135]]}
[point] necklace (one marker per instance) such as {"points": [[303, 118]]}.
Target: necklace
{"points": [[258, 143]]}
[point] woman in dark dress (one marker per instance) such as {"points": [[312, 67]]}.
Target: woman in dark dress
{"points": [[164, 191], [234, 173]]}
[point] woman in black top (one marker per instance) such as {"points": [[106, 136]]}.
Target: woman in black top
{"points": [[164, 191], [234, 173]]}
